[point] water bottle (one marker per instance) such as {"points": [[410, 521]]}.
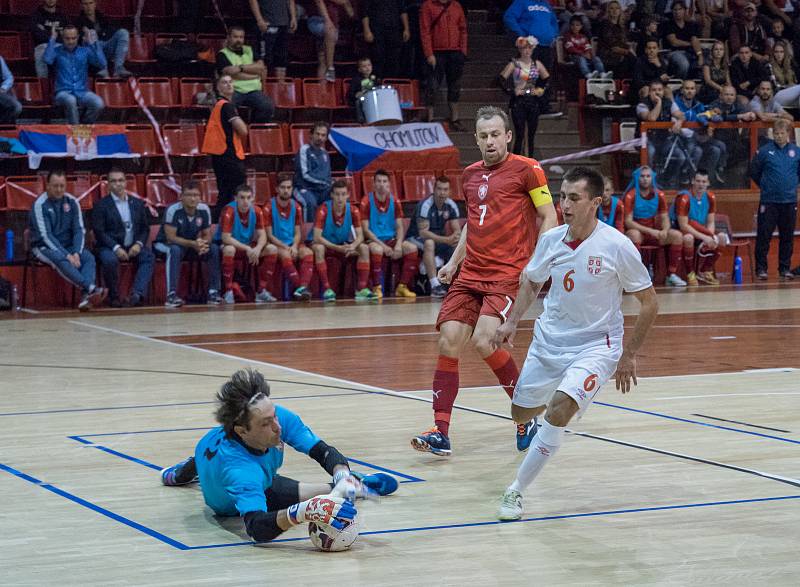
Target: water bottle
{"points": [[9, 245], [737, 270]]}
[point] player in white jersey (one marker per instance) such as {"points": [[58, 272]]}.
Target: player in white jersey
{"points": [[577, 343]]}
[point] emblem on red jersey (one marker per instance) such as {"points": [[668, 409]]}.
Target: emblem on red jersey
{"points": [[595, 265], [483, 189]]}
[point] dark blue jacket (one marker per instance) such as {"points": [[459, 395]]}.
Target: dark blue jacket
{"points": [[57, 224], [109, 231], [775, 170], [532, 17]]}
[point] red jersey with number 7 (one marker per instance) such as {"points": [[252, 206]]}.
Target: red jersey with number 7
{"points": [[501, 217]]}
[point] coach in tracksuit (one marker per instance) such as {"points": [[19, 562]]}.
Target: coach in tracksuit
{"points": [[57, 239], [775, 169], [121, 229]]}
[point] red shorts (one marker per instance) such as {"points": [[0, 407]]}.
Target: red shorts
{"points": [[466, 301], [649, 241]]}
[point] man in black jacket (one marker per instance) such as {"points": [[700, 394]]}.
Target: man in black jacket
{"points": [[121, 230], [46, 19], [113, 41]]}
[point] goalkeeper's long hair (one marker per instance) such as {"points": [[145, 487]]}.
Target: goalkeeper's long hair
{"points": [[236, 395]]}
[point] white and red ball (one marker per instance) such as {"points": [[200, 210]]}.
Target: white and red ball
{"points": [[329, 539]]}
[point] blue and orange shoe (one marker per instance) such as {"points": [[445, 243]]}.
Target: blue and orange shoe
{"points": [[525, 434], [380, 483], [183, 473], [432, 441]]}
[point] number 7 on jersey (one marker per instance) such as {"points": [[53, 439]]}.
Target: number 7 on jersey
{"points": [[483, 208]]}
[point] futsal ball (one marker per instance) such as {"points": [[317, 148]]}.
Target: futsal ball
{"points": [[329, 539]]}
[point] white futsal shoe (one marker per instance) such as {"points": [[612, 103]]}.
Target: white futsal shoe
{"points": [[510, 506]]}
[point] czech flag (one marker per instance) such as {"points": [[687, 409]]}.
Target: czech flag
{"points": [[83, 142]]}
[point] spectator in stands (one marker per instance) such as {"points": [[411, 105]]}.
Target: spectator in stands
{"points": [[443, 30], [776, 9], [324, 24], [612, 210], [275, 19], [682, 38], [435, 231], [578, 48], [746, 74], [224, 141], [237, 60], [775, 169], [728, 109], [534, 18], [312, 178], [363, 81], [649, 67], [613, 48], [779, 34], [284, 223], [764, 105], [647, 221], [699, 142], [665, 146], [692, 213], [716, 73], [47, 19], [648, 31], [186, 234], [579, 9], [385, 27], [57, 239], [747, 31], [720, 15], [413, 58], [10, 108], [525, 80], [113, 41], [337, 233], [782, 66], [71, 63], [121, 231], [384, 232], [244, 239]]}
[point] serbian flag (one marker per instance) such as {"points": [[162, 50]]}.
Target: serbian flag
{"points": [[83, 141], [419, 145]]}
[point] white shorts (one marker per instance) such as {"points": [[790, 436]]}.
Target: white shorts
{"points": [[578, 373]]}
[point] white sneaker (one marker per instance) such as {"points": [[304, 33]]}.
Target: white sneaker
{"points": [[228, 297], [675, 281], [264, 297], [607, 75], [510, 506]]}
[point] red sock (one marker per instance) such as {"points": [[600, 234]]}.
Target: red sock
{"points": [[322, 271], [674, 258], [306, 270], [707, 263], [376, 261], [688, 258], [505, 369], [289, 270], [409, 268], [227, 273], [266, 271], [445, 390], [362, 273]]}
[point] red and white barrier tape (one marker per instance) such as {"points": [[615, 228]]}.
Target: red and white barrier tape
{"points": [[150, 205], [137, 18], [632, 144]]}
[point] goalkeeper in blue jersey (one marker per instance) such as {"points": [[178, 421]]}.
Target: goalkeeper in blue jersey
{"points": [[237, 465]]}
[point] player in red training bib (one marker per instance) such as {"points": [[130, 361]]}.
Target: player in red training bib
{"points": [[505, 193]]}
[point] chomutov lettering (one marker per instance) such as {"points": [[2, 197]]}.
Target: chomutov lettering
{"points": [[400, 139]]}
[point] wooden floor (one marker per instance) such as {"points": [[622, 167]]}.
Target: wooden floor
{"points": [[692, 479]]}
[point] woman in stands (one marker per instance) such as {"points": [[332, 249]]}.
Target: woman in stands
{"points": [[716, 74], [525, 80], [616, 54], [780, 60]]}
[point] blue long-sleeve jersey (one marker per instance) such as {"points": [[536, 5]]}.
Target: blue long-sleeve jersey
{"points": [[57, 224], [775, 170]]}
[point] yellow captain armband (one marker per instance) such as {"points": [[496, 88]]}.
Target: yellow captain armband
{"points": [[541, 196]]}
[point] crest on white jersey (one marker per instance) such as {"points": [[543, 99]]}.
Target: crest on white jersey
{"points": [[483, 189], [595, 265]]}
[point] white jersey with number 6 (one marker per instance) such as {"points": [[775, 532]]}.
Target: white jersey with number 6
{"points": [[584, 304]]}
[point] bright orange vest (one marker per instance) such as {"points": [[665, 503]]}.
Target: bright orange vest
{"points": [[214, 142]]}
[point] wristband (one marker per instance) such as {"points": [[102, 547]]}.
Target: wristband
{"points": [[340, 474]]}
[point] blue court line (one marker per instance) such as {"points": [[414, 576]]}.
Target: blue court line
{"points": [[96, 508], [82, 439], [136, 407], [699, 423]]}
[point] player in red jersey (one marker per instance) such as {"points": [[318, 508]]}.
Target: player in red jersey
{"points": [[647, 221], [612, 210], [504, 193], [241, 229]]}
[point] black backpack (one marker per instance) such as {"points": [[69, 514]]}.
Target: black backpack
{"points": [[177, 52]]}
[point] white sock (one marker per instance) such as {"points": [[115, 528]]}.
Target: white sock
{"points": [[545, 444], [435, 282]]}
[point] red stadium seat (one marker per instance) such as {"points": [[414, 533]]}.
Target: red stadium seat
{"points": [[367, 184], [11, 46], [116, 93], [286, 94], [318, 93], [23, 7], [162, 189], [131, 184], [164, 38], [456, 190], [260, 183], [33, 93], [418, 185], [190, 87], [352, 185], [211, 41], [183, 140], [157, 8], [142, 140], [78, 185], [118, 8], [268, 139], [408, 93], [208, 187], [22, 191], [140, 49], [299, 135], [157, 92]]}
